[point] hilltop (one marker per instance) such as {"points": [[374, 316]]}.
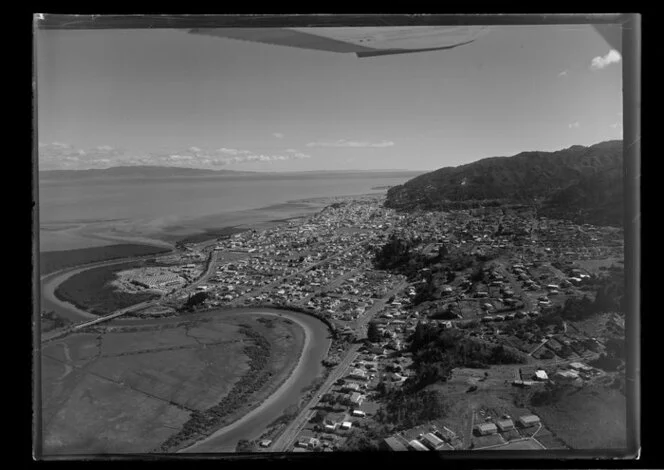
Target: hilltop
{"points": [[577, 182]]}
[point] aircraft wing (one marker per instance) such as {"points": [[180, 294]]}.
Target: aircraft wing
{"points": [[362, 41]]}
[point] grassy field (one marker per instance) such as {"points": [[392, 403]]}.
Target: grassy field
{"points": [[51, 261], [91, 290], [519, 445], [130, 389], [592, 417]]}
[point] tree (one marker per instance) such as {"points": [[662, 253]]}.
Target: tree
{"points": [[442, 252], [373, 334], [196, 299], [319, 417], [244, 445], [477, 274]]}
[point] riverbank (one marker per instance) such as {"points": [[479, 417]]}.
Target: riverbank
{"points": [[267, 397], [154, 376]]}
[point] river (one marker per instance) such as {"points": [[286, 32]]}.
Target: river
{"points": [[309, 367], [253, 424]]}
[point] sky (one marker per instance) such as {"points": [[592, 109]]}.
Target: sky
{"points": [[165, 97]]}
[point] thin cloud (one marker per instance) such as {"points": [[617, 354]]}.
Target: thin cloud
{"points": [[600, 62], [65, 156], [574, 125], [352, 143], [616, 125], [278, 135], [227, 151], [563, 73]]}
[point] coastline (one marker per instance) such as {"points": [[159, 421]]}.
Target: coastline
{"points": [[260, 218], [274, 391]]}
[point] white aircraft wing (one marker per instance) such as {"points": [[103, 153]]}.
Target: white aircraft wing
{"points": [[362, 41]]}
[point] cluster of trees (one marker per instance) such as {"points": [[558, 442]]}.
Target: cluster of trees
{"points": [[613, 357], [549, 395], [333, 399], [437, 351], [245, 445], [195, 300], [393, 254], [405, 410], [373, 335], [609, 297]]}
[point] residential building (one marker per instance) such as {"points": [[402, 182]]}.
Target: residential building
{"points": [[505, 424], [393, 443], [417, 445], [484, 429], [529, 420]]}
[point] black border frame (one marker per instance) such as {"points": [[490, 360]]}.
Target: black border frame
{"points": [[631, 45]]}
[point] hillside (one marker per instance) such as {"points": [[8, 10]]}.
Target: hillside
{"points": [[574, 182]]}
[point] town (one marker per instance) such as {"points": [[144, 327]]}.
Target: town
{"points": [[500, 276]]}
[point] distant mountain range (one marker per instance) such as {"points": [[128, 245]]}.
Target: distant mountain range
{"points": [[135, 172], [582, 183], [167, 172]]}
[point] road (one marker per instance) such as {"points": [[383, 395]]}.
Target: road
{"points": [[131, 308], [365, 318], [280, 280], [288, 436], [516, 287], [286, 439]]}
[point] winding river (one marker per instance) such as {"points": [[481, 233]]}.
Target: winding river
{"points": [[254, 423]]}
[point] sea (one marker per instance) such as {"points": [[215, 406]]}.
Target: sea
{"points": [[158, 211]]}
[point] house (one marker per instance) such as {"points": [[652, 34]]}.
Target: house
{"points": [[541, 375], [432, 441], [529, 420], [352, 387], [484, 429], [358, 374], [417, 445], [580, 366], [312, 443], [358, 413], [505, 424], [356, 398], [566, 376], [393, 443], [346, 425], [334, 419], [330, 427]]}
